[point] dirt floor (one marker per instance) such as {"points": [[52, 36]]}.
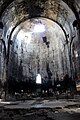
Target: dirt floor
{"points": [[37, 114]]}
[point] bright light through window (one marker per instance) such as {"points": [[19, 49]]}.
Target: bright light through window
{"points": [[76, 54], [39, 28], [38, 79]]}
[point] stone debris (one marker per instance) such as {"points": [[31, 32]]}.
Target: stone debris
{"points": [[37, 114]]}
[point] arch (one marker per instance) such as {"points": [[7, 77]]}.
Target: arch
{"points": [[58, 17], [62, 12], [53, 41]]}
